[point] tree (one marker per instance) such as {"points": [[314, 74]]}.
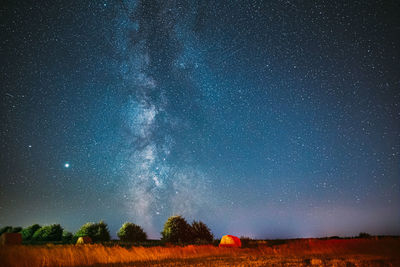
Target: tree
{"points": [[48, 233], [88, 229], [67, 237], [98, 232], [102, 232], [28, 232], [201, 233], [176, 230], [131, 232], [10, 229]]}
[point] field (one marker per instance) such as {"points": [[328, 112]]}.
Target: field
{"points": [[302, 252]]}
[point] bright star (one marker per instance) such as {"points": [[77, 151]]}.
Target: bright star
{"points": [[66, 165]]}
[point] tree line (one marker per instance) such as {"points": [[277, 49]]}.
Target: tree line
{"points": [[176, 230]]}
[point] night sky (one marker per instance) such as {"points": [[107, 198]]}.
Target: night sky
{"points": [[268, 119]]}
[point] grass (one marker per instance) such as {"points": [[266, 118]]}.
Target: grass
{"points": [[302, 252]]}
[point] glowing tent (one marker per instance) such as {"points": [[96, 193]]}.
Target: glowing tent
{"points": [[84, 240], [230, 241]]}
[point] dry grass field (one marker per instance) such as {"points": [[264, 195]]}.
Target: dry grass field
{"points": [[303, 252]]}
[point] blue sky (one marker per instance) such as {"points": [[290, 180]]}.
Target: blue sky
{"points": [[265, 119]]}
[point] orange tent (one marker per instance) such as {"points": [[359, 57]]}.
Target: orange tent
{"points": [[230, 241], [84, 240]]}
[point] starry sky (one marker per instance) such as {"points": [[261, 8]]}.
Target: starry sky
{"points": [[267, 119]]}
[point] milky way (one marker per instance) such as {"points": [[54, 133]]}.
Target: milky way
{"points": [[158, 186], [261, 118]]}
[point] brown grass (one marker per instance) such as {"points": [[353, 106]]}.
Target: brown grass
{"points": [[306, 252]]}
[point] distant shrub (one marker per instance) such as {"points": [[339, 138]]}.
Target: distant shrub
{"points": [[131, 232], [245, 241], [67, 237], [176, 230], [364, 235], [201, 234], [98, 232], [28, 232], [48, 233], [248, 242]]}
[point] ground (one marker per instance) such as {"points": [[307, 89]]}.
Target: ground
{"points": [[303, 252]]}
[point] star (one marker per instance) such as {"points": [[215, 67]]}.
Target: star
{"points": [[162, 103]]}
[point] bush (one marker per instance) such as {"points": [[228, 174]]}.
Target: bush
{"points": [[201, 233], [67, 237], [48, 233], [176, 230], [10, 229], [6, 229], [364, 235], [248, 242], [98, 232], [131, 232], [28, 232]]}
